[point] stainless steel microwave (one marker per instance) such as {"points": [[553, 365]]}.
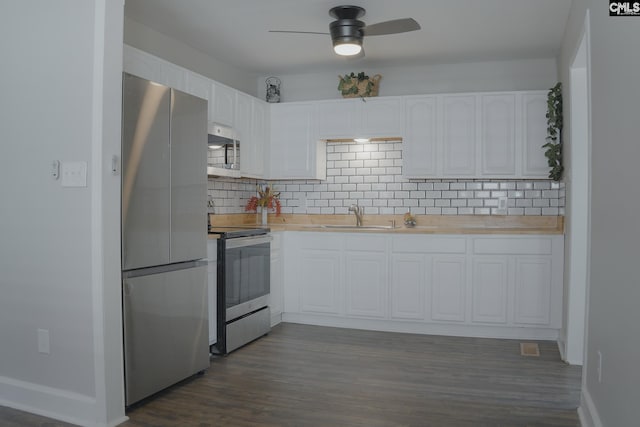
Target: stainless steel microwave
{"points": [[223, 155]]}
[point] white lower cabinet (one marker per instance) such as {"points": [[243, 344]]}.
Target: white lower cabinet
{"points": [[533, 291], [448, 288], [499, 286], [276, 292], [490, 288], [366, 276], [212, 276], [408, 286]]}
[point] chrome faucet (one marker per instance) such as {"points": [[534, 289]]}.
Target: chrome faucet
{"points": [[359, 211]]}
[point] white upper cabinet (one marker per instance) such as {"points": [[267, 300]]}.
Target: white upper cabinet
{"points": [[420, 147], [223, 104], [147, 66], [198, 85], [478, 135], [534, 134], [380, 117], [254, 164], [358, 118], [337, 119], [295, 150], [459, 136], [498, 135]]}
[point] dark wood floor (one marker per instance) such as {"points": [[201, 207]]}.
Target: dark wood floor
{"points": [[315, 376]]}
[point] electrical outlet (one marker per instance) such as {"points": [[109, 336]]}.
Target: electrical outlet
{"points": [[43, 341], [599, 366]]}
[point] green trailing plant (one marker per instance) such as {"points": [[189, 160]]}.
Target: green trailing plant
{"points": [[554, 132], [349, 84]]}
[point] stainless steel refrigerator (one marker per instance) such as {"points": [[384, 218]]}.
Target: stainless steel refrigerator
{"points": [[164, 278]]}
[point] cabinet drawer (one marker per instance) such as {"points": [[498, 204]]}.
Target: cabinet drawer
{"points": [[366, 243], [520, 246], [428, 244]]}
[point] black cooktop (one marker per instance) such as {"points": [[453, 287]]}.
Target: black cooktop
{"points": [[234, 232]]}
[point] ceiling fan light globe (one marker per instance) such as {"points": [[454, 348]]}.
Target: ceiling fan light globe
{"points": [[347, 49]]}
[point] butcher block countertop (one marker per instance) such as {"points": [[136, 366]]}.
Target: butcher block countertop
{"points": [[425, 224]]}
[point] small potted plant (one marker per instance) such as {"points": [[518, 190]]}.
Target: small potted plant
{"points": [[352, 85], [266, 199]]}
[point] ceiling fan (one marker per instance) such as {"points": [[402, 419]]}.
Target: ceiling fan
{"points": [[347, 32]]}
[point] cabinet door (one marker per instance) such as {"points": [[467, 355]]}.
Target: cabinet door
{"points": [[295, 149], [173, 76], [212, 276], [380, 117], [242, 126], [320, 285], [489, 289], [142, 64], [408, 282], [223, 104], [459, 135], [198, 86], [534, 134], [337, 119], [448, 288], [366, 283], [419, 148], [498, 135], [254, 156], [276, 295], [533, 291]]}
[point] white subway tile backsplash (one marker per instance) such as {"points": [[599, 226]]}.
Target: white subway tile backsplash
{"points": [[490, 185], [541, 185], [474, 186], [426, 186], [524, 185], [371, 175]]}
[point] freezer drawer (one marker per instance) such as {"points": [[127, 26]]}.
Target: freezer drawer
{"points": [[165, 329]]}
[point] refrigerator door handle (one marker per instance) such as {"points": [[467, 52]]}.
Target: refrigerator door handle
{"points": [[164, 268]]}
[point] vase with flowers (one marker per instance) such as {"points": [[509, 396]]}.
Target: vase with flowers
{"points": [[266, 199]]}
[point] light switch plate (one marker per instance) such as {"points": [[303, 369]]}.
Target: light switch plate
{"points": [[74, 174]]}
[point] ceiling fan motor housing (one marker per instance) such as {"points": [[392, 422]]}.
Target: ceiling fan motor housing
{"points": [[346, 30]]}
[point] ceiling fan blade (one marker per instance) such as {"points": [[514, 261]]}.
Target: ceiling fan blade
{"points": [[297, 32], [391, 27]]}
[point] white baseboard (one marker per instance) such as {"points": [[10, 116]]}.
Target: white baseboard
{"points": [[587, 411], [51, 402], [459, 330]]}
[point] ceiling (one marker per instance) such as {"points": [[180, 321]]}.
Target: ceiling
{"points": [[236, 31]]}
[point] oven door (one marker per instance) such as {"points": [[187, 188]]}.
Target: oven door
{"points": [[247, 275]]}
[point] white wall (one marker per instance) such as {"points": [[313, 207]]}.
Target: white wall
{"points": [[613, 315], [61, 100], [530, 74], [167, 48]]}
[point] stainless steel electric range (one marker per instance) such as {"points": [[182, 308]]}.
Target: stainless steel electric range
{"points": [[243, 285]]}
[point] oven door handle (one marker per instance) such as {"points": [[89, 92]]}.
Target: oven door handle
{"points": [[247, 241]]}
